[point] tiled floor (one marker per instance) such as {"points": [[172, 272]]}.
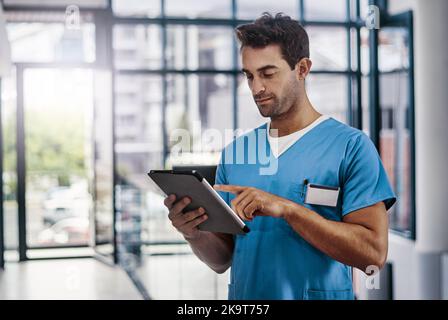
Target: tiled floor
{"points": [[182, 277], [65, 279]]}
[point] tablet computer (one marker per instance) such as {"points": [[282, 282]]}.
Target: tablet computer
{"points": [[190, 183]]}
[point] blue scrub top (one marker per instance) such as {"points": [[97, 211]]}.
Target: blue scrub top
{"points": [[273, 261]]}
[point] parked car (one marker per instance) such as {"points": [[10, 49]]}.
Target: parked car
{"points": [[65, 202], [71, 231]]}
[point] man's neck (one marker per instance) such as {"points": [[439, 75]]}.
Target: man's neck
{"points": [[298, 117]]}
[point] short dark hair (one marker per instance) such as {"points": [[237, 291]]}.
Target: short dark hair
{"points": [[282, 30]]}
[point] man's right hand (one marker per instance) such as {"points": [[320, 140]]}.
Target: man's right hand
{"points": [[186, 223]]}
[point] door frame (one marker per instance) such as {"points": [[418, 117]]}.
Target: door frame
{"points": [[21, 160]]}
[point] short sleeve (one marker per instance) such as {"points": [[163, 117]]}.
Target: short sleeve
{"points": [[365, 180], [222, 179]]}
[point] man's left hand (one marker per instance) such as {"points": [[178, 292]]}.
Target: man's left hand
{"points": [[250, 202]]}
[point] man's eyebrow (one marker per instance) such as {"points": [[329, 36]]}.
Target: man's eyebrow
{"points": [[264, 68], [267, 67]]}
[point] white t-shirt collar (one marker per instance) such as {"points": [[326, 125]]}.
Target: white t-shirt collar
{"points": [[280, 144]]}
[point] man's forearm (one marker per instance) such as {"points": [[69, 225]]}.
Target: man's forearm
{"points": [[351, 244], [213, 249]]}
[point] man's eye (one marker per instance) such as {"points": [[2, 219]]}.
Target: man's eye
{"points": [[268, 75], [249, 77]]}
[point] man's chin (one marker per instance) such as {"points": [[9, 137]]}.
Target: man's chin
{"points": [[265, 114], [265, 111]]}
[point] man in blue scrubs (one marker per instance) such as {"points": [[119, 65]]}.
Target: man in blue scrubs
{"points": [[312, 190]]}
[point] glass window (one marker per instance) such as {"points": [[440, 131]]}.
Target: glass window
{"points": [[365, 104], [103, 164], [395, 146], [138, 148], [58, 112], [205, 109], [353, 6], [395, 134], [353, 47], [178, 103], [136, 8], [249, 9], [8, 97], [365, 55], [393, 49], [328, 48], [51, 42], [80, 3], [364, 8], [138, 100], [199, 47], [328, 94], [198, 8], [326, 10], [137, 46]]}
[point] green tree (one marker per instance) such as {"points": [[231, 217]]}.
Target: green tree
{"points": [[54, 143]]}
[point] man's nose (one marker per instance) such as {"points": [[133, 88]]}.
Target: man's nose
{"points": [[257, 87]]}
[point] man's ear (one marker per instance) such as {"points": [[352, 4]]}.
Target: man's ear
{"points": [[303, 68]]}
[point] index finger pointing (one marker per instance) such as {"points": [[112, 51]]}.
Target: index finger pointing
{"points": [[229, 188]]}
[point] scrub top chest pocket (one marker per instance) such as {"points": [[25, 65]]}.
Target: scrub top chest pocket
{"points": [[321, 195]]}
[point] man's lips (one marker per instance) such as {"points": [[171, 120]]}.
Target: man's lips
{"points": [[263, 100]]}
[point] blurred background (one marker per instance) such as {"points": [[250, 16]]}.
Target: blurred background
{"points": [[94, 92]]}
